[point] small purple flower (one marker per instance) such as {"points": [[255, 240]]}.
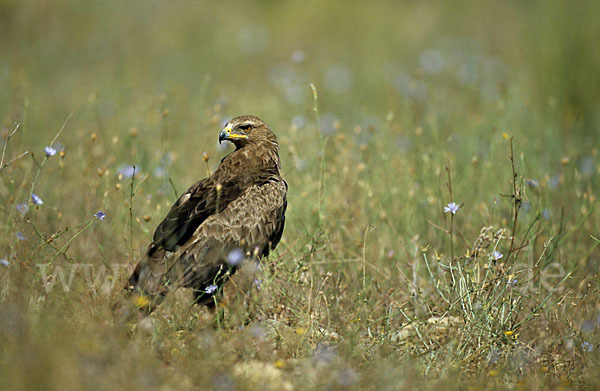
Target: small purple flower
{"points": [[49, 151], [235, 257], [100, 215], [511, 280], [127, 171], [452, 207], [36, 199], [20, 235], [297, 56], [160, 172], [23, 208], [546, 214], [210, 289], [257, 284], [4, 262], [587, 347], [496, 255]]}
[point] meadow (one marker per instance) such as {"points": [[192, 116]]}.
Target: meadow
{"points": [[443, 170]]}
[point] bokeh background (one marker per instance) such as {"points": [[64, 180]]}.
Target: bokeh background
{"points": [[405, 89]]}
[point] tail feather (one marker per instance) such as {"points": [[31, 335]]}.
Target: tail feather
{"points": [[159, 272], [148, 284]]}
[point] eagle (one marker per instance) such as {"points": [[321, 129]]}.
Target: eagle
{"points": [[235, 215]]}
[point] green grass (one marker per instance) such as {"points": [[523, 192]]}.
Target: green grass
{"points": [[373, 286]]}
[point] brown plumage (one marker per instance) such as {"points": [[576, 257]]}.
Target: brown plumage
{"points": [[236, 213]]}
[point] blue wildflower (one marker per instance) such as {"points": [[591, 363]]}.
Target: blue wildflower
{"points": [[496, 255], [160, 172], [20, 235], [257, 284], [36, 199], [586, 165], [4, 262], [167, 159], [23, 208], [329, 124], [297, 56], [211, 289], [452, 207], [511, 280], [127, 171], [50, 151], [546, 213], [587, 347], [298, 121], [432, 61], [100, 215], [235, 257]]}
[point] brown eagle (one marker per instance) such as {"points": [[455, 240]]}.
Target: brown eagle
{"points": [[235, 215]]}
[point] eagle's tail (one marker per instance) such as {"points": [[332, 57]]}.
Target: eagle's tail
{"points": [[148, 284]]}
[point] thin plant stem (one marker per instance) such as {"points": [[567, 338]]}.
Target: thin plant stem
{"points": [[17, 125], [175, 192], [321, 192], [364, 264], [131, 194], [64, 247], [11, 161], [516, 201], [435, 281], [451, 214], [41, 165]]}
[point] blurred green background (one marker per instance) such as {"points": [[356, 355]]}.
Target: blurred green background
{"points": [[259, 57], [405, 89]]}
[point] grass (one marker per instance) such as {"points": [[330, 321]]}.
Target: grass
{"points": [[374, 286]]}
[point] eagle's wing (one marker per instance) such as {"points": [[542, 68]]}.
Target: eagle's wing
{"points": [[275, 236], [203, 199], [193, 207], [252, 223]]}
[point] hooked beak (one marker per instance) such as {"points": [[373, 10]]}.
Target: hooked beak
{"points": [[226, 134]]}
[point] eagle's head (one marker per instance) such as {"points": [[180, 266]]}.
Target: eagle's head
{"points": [[246, 130]]}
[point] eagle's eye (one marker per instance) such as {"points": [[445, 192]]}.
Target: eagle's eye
{"points": [[245, 127]]}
